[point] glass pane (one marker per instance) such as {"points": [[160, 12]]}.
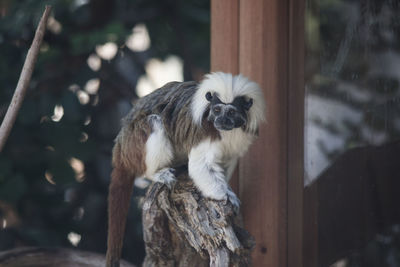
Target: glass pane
{"points": [[352, 133]]}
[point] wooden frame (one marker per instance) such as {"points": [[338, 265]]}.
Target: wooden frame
{"points": [[264, 40]]}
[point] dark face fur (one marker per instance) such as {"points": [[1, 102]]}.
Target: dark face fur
{"points": [[227, 116]]}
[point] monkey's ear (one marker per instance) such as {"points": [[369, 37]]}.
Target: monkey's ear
{"points": [[247, 105], [209, 96]]}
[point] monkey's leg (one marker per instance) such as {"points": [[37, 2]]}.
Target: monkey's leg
{"points": [[159, 153], [120, 191]]}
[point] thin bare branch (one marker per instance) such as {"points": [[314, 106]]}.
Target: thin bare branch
{"points": [[24, 79]]}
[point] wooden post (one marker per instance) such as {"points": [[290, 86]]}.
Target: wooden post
{"points": [[296, 132], [225, 36], [269, 50], [263, 57]]}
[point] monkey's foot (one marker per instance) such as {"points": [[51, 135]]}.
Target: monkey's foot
{"points": [[165, 176]]}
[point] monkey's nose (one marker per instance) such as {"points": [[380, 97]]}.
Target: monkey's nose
{"points": [[222, 123], [228, 123]]}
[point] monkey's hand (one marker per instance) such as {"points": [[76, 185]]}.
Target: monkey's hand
{"points": [[223, 192], [218, 189], [231, 197], [208, 175], [166, 176]]}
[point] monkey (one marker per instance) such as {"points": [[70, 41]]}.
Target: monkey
{"points": [[206, 125]]}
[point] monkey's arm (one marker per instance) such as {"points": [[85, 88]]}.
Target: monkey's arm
{"points": [[231, 168], [207, 174], [231, 165]]}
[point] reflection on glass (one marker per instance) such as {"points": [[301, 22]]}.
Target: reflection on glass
{"points": [[352, 133]]}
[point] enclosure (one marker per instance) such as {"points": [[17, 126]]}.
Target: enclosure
{"points": [[320, 186]]}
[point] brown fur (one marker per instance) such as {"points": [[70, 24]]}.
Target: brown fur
{"points": [[128, 162], [118, 205], [128, 152]]}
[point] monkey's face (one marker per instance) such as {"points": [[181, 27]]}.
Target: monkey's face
{"points": [[227, 116]]}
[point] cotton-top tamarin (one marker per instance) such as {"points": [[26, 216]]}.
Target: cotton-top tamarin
{"points": [[206, 125]]}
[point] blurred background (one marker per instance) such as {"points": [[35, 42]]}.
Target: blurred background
{"points": [[96, 58], [352, 133]]}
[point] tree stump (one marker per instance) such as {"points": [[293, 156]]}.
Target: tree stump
{"points": [[182, 228]]}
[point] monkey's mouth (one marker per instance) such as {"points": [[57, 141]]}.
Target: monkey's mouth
{"points": [[222, 127], [224, 124]]}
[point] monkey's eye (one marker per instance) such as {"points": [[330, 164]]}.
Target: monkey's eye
{"points": [[217, 110], [208, 96], [231, 112]]}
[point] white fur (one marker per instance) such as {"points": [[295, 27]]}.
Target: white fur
{"points": [[205, 170], [159, 151], [228, 87], [211, 163], [235, 143], [165, 176], [230, 168]]}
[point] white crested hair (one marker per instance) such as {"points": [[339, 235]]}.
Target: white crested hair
{"points": [[227, 87]]}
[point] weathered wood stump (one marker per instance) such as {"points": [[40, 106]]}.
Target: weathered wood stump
{"points": [[181, 228], [52, 257]]}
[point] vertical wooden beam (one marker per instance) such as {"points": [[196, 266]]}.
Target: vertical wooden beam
{"points": [[310, 226], [264, 40], [225, 36], [225, 45], [311, 191], [296, 132], [263, 56]]}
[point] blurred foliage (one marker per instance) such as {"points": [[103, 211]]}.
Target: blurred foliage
{"points": [[54, 172]]}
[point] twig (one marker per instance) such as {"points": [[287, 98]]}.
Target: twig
{"points": [[24, 79]]}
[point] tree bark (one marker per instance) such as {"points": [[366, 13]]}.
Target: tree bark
{"points": [[181, 228]]}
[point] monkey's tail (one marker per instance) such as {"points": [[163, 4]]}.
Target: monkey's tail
{"points": [[119, 195]]}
